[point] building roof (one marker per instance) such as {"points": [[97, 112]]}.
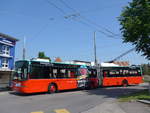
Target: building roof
{"points": [[8, 37], [121, 63]]}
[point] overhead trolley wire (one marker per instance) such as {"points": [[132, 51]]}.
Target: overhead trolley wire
{"points": [[113, 35], [64, 13], [54, 5], [87, 23]]}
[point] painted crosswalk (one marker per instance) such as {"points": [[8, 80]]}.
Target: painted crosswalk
{"points": [[37, 112], [61, 111], [54, 111]]}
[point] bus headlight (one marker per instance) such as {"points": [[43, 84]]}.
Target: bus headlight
{"points": [[18, 84]]}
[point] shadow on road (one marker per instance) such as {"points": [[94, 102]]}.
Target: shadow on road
{"points": [[23, 94], [42, 93], [114, 92]]}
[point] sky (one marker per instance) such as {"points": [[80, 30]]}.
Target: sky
{"points": [[65, 28]]}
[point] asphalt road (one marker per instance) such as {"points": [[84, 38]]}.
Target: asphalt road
{"points": [[74, 101]]}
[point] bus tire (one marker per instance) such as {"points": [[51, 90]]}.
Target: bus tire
{"points": [[124, 83], [52, 88]]}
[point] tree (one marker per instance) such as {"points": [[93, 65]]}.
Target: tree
{"points": [[146, 69], [135, 25], [43, 56]]}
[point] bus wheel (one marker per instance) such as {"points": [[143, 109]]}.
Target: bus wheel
{"points": [[124, 83], [52, 88]]}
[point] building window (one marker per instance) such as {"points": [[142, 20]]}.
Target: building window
{"points": [[6, 50], [4, 63]]}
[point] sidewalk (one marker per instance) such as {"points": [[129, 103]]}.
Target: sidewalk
{"points": [[134, 107], [106, 107], [112, 106]]}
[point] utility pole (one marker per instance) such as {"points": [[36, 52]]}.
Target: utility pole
{"points": [[95, 49], [24, 50]]}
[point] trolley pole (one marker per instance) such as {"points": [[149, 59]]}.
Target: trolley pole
{"points": [[95, 49]]}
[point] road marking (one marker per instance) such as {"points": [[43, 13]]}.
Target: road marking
{"points": [[37, 112], [61, 111]]}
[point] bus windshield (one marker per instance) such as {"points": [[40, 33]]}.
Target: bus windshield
{"points": [[21, 70]]}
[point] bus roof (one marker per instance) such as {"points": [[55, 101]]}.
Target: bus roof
{"points": [[45, 61], [121, 67], [67, 63]]}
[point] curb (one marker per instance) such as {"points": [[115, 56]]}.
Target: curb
{"points": [[144, 101], [5, 89]]}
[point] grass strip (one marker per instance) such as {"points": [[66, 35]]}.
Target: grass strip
{"points": [[144, 95]]}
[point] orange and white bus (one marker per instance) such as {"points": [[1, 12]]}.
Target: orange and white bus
{"points": [[39, 76], [113, 76]]}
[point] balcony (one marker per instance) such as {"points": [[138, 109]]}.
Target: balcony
{"points": [[5, 69], [2, 54]]}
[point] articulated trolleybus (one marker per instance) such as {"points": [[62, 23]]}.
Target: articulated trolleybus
{"points": [[41, 76], [38, 75]]}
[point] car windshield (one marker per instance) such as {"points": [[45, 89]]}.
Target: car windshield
{"points": [[21, 70]]}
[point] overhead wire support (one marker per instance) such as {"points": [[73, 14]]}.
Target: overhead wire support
{"points": [[95, 49], [24, 49], [125, 53], [69, 17], [54, 5], [89, 21]]}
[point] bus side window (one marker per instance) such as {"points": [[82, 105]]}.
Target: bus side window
{"points": [[117, 73], [59, 74], [62, 73], [45, 72], [112, 73], [70, 73], [123, 73], [35, 72], [139, 73], [67, 73], [120, 73], [89, 73], [51, 74], [55, 73], [135, 73]]}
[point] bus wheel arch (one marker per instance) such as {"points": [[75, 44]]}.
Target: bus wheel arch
{"points": [[52, 88], [125, 83]]}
